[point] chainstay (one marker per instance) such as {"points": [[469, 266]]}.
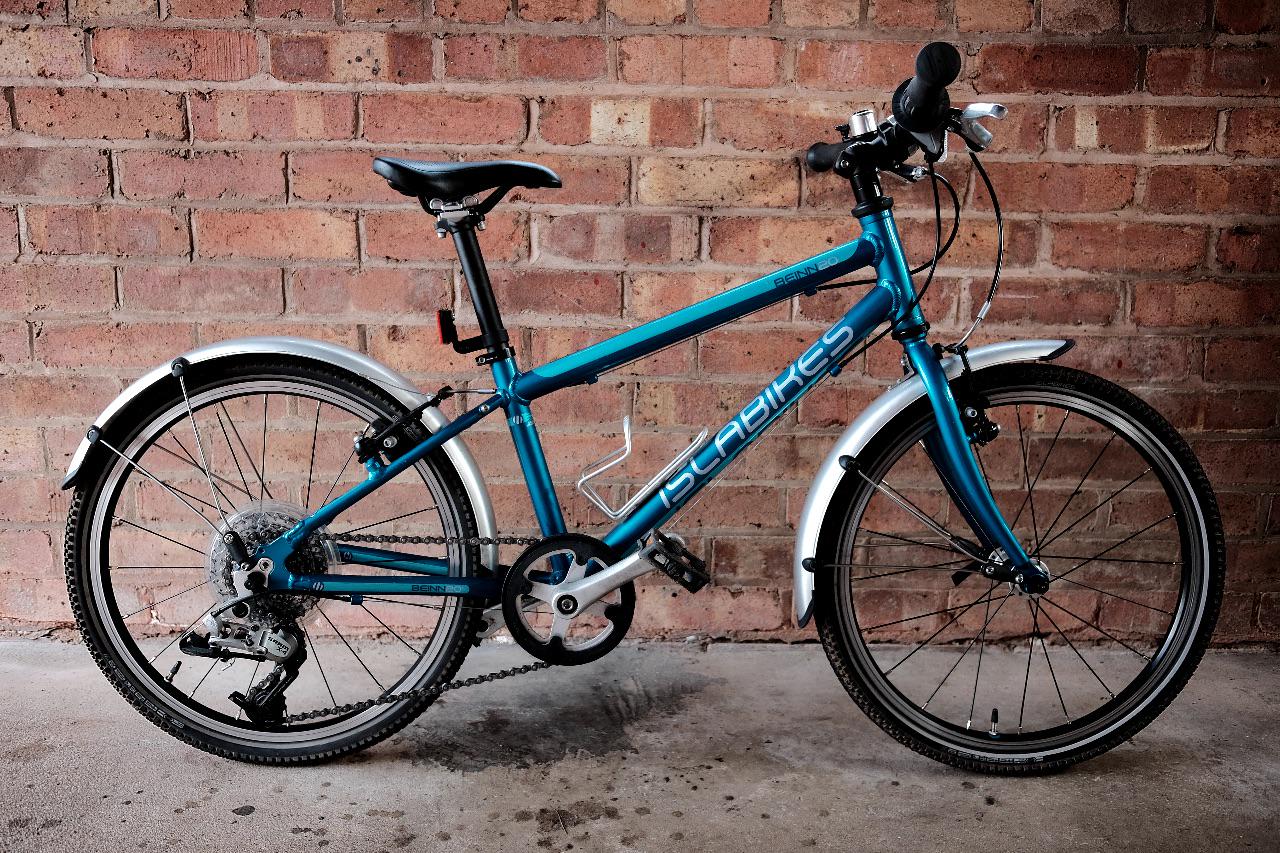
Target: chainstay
{"points": [[419, 693]]}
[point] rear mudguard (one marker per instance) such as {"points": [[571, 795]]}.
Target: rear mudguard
{"points": [[864, 428], [323, 353]]}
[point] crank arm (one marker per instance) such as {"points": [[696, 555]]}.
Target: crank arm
{"points": [[587, 591]]}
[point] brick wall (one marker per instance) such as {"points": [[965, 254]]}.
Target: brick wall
{"points": [[180, 173]]}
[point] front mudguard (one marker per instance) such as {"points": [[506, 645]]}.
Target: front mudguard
{"points": [[859, 434], [331, 355]]}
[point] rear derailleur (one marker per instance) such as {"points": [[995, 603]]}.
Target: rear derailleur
{"points": [[284, 645]]}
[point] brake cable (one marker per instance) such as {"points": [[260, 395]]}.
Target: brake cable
{"points": [[959, 345]]}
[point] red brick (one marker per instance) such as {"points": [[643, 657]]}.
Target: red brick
{"points": [[48, 288], [1241, 359], [352, 57], [227, 175], [1166, 16], [1080, 16], [1159, 358], [1212, 189], [722, 612], [776, 240], [1239, 410], [295, 10], [1236, 460], [1206, 303], [647, 12], [100, 113], [30, 553], [586, 180], [378, 292], [520, 57], [117, 345], [1220, 71], [53, 172], [994, 16], [1135, 246], [751, 352], [41, 52], [1058, 69], [1061, 302], [1060, 187], [209, 9], [286, 234], [773, 125], [616, 237], [300, 116], [1132, 129], [823, 13], [70, 395], [409, 235], [975, 244], [340, 177], [745, 62], [717, 183], [1261, 16], [558, 10], [559, 292], [204, 289], [176, 54], [381, 10], [15, 344], [110, 230], [651, 123], [33, 8], [1254, 131], [1249, 248], [654, 294], [551, 343], [494, 119], [473, 11], [855, 65], [732, 13], [417, 349], [8, 231], [116, 9]]}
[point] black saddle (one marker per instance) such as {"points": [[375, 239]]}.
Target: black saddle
{"points": [[452, 182]]}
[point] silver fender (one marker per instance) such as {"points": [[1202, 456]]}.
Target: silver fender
{"points": [[337, 356], [864, 428]]}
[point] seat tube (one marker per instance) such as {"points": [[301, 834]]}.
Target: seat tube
{"points": [[533, 461]]}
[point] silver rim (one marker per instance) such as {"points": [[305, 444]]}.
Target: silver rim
{"points": [[128, 651], [1171, 653]]}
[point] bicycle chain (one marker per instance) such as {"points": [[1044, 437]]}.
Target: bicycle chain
{"points": [[420, 692]]}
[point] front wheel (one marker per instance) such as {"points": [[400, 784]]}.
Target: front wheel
{"points": [[1105, 494]]}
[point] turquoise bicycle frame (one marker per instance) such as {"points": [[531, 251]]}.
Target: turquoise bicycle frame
{"points": [[891, 298]]}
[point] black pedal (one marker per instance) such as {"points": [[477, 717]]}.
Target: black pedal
{"points": [[678, 562]]}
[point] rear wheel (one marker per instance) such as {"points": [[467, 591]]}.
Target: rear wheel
{"points": [[265, 443], [1107, 496]]}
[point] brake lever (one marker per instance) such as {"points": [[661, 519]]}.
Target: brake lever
{"points": [[965, 124]]}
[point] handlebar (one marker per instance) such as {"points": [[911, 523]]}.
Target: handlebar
{"points": [[920, 103], [823, 156]]}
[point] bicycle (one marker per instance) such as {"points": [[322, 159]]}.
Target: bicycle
{"points": [[203, 481]]}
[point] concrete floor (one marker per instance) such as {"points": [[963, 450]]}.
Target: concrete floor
{"points": [[655, 748]]}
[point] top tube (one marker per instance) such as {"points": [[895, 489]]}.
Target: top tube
{"points": [[587, 364]]}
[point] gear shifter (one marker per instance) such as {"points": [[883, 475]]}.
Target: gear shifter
{"points": [[974, 134]]}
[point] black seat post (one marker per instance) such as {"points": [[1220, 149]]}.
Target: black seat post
{"points": [[493, 335]]}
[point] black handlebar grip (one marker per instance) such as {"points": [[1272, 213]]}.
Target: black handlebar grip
{"points": [[823, 156], [918, 103]]}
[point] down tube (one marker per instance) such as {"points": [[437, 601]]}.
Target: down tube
{"points": [[818, 361]]}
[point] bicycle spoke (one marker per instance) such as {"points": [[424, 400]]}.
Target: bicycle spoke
{"points": [[949, 623], [1123, 541], [1031, 647], [163, 600], [360, 661], [341, 471], [189, 461], [1110, 559], [1026, 479], [204, 460], [1114, 595], [162, 484], [116, 568], [1077, 489], [987, 618], [1039, 471], [1095, 508], [924, 518], [161, 535], [1106, 634], [1064, 636], [234, 458], [253, 676], [315, 434], [192, 694], [939, 546], [316, 657], [386, 521], [982, 645], [247, 455], [390, 630], [266, 398], [922, 616], [1035, 622], [181, 633]]}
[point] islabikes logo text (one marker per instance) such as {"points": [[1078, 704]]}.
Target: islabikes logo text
{"points": [[778, 394]]}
